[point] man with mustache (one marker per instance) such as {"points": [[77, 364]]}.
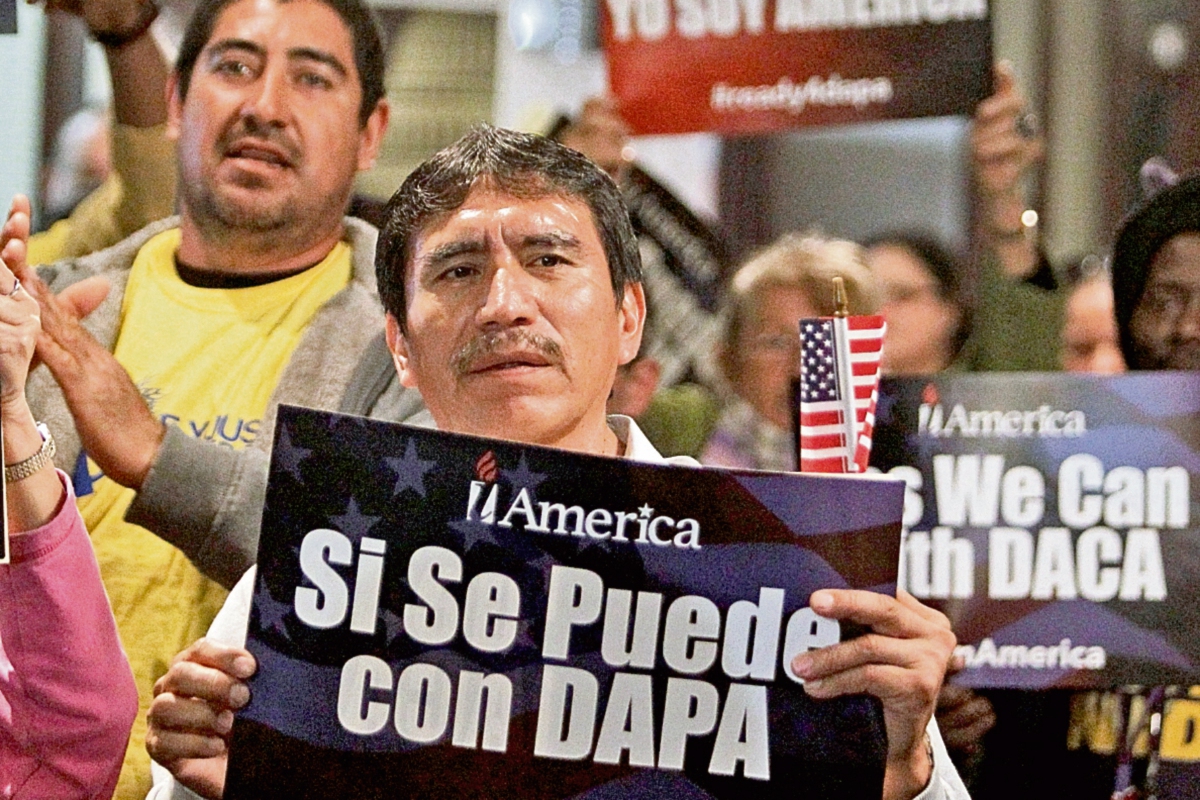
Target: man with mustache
{"points": [[512, 283], [259, 292]]}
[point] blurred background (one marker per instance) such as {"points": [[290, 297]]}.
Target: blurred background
{"points": [[1113, 82]]}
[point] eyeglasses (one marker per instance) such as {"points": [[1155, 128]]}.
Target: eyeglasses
{"points": [[906, 293], [775, 345], [1170, 301]]}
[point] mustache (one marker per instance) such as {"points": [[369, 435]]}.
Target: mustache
{"points": [[253, 128], [492, 342]]}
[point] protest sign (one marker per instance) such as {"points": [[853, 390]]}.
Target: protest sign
{"points": [[1052, 518], [752, 66], [438, 615]]}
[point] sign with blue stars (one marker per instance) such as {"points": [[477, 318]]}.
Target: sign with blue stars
{"points": [[438, 615]]}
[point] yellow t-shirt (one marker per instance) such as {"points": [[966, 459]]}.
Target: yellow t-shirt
{"points": [[206, 360]]}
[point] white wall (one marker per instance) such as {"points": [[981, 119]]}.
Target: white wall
{"points": [[21, 104], [863, 180]]}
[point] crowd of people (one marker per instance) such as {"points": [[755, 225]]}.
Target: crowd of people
{"points": [[541, 289]]}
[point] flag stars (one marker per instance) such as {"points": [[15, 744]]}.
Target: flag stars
{"points": [[288, 456], [523, 478], [410, 470], [474, 533], [272, 614], [354, 523]]}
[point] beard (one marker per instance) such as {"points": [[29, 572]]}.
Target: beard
{"points": [[1173, 355], [217, 212]]}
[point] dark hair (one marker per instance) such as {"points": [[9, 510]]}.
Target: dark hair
{"points": [[523, 165], [943, 266], [1173, 211], [368, 47]]}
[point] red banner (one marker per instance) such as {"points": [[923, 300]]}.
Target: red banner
{"points": [[753, 66]]}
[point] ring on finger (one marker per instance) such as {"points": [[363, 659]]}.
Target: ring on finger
{"points": [[16, 287]]}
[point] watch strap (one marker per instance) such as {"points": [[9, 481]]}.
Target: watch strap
{"points": [[23, 469]]}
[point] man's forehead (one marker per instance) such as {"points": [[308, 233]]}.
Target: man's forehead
{"points": [[302, 24], [525, 215], [1178, 259], [468, 220]]}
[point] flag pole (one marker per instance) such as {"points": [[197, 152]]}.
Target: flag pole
{"points": [[845, 372]]}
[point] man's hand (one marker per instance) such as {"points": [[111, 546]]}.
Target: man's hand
{"points": [[902, 662], [101, 15], [601, 135], [1005, 145], [115, 425], [191, 716]]}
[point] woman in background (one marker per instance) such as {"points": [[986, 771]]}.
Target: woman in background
{"points": [[67, 697], [760, 352], [918, 281]]}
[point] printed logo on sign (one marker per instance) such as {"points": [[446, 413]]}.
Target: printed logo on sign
{"points": [[785, 95], [644, 525], [1043, 422], [1063, 655]]}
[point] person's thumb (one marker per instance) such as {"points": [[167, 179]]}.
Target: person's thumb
{"points": [[82, 298]]}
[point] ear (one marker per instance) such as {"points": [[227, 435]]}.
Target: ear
{"points": [[398, 346], [632, 319], [643, 383], [370, 139], [174, 106]]}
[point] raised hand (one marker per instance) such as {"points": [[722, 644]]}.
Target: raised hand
{"points": [[1005, 142], [115, 425], [19, 313]]}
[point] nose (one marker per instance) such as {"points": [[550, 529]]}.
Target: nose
{"points": [[267, 101], [1188, 325], [511, 296]]}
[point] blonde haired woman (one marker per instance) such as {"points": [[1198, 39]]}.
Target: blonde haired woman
{"points": [[760, 352]]}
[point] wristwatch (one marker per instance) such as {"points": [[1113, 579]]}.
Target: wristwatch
{"points": [[23, 469]]}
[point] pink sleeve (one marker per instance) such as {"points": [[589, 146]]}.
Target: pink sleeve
{"points": [[67, 696]]}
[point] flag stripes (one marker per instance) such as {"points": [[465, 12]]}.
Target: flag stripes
{"points": [[826, 443]]}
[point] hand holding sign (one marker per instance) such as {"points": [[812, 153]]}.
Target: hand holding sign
{"points": [[602, 135], [192, 714], [1003, 145], [902, 663]]}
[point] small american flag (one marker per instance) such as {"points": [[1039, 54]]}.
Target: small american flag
{"points": [[839, 379]]}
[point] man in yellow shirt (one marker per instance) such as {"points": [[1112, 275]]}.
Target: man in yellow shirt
{"points": [[260, 292]]}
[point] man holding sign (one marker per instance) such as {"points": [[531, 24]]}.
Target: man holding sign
{"points": [[511, 279]]}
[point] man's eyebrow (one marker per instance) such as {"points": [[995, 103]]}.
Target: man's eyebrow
{"points": [[295, 53], [451, 250], [553, 239], [225, 45], [313, 54]]}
